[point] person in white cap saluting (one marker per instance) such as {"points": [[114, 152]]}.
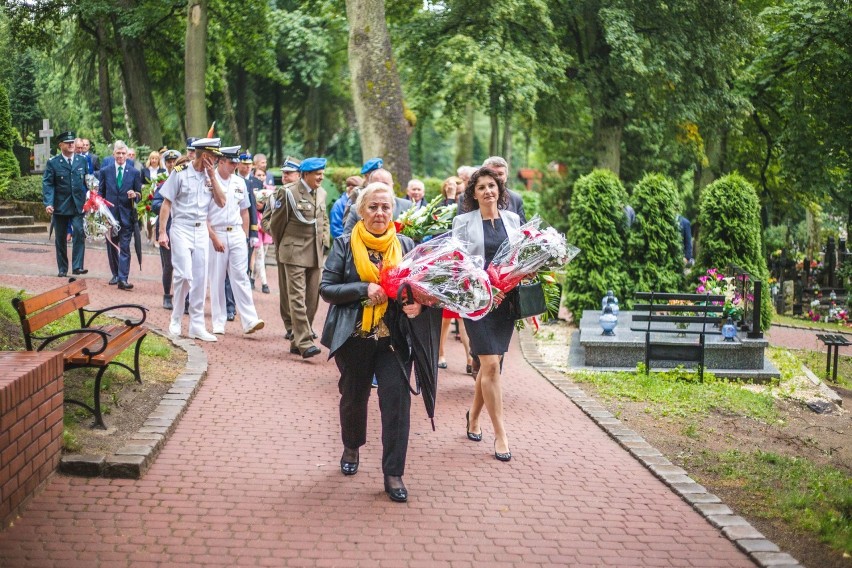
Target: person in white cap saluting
{"points": [[228, 252], [187, 196]]}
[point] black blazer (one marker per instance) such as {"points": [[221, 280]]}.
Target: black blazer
{"points": [[343, 289]]}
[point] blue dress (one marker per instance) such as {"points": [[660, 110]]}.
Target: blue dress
{"points": [[491, 335]]}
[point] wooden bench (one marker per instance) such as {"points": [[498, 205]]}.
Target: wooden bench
{"points": [[92, 346], [662, 317]]}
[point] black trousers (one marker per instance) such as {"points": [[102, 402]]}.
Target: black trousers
{"points": [[78, 241], [358, 360]]}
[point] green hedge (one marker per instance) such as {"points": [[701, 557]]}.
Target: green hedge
{"points": [[654, 244], [27, 188], [10, 169], [532, 202], [598, 226], [730, 232]]}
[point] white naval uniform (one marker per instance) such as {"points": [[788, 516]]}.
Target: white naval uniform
{"points": [[191, 196], [227, 223]]}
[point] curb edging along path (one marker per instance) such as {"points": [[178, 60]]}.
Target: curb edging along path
{"points": [[134, 458], [762, 551]]}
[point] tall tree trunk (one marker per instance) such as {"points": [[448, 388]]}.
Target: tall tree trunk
{"points": [[312, 122], [128, 125], [494, 143], [464, 140], [607, 141], [140, 98], [195, 68], [275, 148], [376, 90], [105, 96], [507, 140], [228, 110], [242, 104]]}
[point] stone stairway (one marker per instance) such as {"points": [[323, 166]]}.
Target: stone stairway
{"points": [[13, 221]]}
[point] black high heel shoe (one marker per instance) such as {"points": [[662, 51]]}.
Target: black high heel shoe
{"points": [[397, 494], [470, 435], [347, 466], [502, 457]]}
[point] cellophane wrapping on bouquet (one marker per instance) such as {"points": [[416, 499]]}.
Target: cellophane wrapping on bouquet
{"points": [[144, 207], [99, 222], [442, 275], [526, 253]]}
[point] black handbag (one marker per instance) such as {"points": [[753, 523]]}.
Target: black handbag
{"points": [[528, 301]]}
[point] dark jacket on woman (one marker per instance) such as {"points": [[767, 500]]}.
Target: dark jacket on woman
{"points": [[343, 289]]}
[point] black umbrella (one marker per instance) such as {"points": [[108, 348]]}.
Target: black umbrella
{"points": [[424, 336], [137, 241]]}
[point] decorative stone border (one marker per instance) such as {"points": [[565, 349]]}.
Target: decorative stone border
{"points": [[738, 530], [134, 459]]}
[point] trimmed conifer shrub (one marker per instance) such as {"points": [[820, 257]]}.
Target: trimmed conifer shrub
{"points": [[9, 168], [597, 225], [730, 233], [654, 243]]}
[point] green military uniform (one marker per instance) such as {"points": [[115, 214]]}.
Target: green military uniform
{"points": [[299, 226], [64, 188]]}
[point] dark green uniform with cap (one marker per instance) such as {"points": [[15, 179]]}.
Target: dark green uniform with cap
{"points": [[63, 188]]}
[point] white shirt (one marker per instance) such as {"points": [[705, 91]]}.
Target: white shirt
{"points": [[236, 199], [190, 195]]}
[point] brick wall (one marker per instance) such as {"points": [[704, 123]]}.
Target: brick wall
{"points": [[31, 393]]}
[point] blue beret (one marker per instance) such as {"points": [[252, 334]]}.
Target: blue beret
{"points": [[312, 164], [370, 165]]}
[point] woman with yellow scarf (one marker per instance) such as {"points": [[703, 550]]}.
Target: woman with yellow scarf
{"points": [[363, 335]]}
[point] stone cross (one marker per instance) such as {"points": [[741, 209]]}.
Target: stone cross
{"points": [[41, 152]]}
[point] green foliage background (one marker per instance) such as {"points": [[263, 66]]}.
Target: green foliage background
{"points": [[729, 218], [597, 225], [654, 243]]}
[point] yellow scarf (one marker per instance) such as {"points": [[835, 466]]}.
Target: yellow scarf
{"points": [[391, 250]]}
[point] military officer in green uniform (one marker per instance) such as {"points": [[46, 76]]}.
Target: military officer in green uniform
{"points": [[299, 226], [64, 190]]}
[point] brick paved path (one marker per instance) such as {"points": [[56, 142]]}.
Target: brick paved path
{"points": [[251, 477]]}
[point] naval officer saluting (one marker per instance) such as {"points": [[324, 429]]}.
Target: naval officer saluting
{"points": [[228, 252], [187, 196], [63, 189]]}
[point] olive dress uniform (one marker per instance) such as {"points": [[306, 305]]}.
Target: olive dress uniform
{"points": [[300, 230], [64, 188]]}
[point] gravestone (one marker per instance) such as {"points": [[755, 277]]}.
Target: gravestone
{"points": [[42, 151]]}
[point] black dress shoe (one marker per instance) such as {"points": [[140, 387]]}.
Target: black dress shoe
{"points": [[472, 435], [167, 302], [113, 281], [398, 493], [313, 334], [349, 462], [294, 350], [288, 336], [231, 316], [502, 457], [80, 271], [122, 285], [311, 351], [62, 274]]}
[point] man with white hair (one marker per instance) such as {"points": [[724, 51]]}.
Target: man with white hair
{"points": [[380, 175], [121, 185], [464, 173], [415, 190]]}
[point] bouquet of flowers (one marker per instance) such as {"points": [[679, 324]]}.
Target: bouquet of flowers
{"points": [[99, 222], [530, 251], [143, 206], [715, 283], [442, 275], [434, 219]]}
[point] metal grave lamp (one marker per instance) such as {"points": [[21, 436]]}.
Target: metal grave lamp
{"points": [[729, 330], [608, 320]]}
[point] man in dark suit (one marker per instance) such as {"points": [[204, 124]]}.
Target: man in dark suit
{"points": [[92, 159], [121, 185], [63, 188]]}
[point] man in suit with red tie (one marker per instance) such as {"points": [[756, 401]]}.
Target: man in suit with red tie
{"points": [[121, 185]]}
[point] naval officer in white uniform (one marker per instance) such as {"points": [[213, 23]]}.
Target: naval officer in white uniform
{"points": [[187, 197], [228, 252]]}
